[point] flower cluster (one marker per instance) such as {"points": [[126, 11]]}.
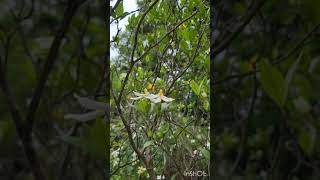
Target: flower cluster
{"points": [[155, 98]]}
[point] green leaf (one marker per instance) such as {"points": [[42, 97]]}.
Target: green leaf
{"points": [[149, 133], [119, 10], [147, 144], [206, 105], [164, 128], [307, 140], [93, 139], [195, 87], [272, 82], [143, 106], [174, 177], [205, 153]]}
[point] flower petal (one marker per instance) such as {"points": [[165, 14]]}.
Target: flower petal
{"points": [[151, 96], [155, 100], [92, 104], [85, 116], [136, 98], [167, 99], [138, 94]]}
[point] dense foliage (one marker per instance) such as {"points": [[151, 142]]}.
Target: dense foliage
{"points": [[51, 52], [260, 95], [160, 89], [266, 89]]}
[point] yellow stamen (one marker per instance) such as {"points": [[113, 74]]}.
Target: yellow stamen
{"points": [[146, 91], [150, 87], [161, 93]]}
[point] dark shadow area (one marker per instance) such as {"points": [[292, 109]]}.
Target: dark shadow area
{"points": [[265, 102], [54, 59]]}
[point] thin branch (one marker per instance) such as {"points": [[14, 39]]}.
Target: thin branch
{"points": [[18, 122], [244, 128], [51, 58], [195, 54], [274, 62], [149, 49], [122, 166], [138, 29], [124, 15], [234, 35], [132, 62], [163, 37], [131, 140]]}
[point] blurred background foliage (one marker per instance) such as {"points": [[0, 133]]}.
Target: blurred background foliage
{"points": [[27, 32], [266, 89]]}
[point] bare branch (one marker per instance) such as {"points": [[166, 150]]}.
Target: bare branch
{"points": [[51, 58]]}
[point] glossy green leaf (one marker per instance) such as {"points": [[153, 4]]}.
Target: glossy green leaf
{"points": [[272, 82], [195, 87], [119, 10]]}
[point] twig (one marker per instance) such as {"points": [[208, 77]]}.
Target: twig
{"points": [[244, 128], [190, 63], [132, 62], [18, 122], [232, 36], [274, 62], [163, 37], [51, 58]]}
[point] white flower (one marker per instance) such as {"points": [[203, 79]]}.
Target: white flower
{"points": [[97, 109], [155, 98], [145, 95], [141, 170], [161, 97], [194, 153]]}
